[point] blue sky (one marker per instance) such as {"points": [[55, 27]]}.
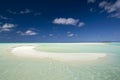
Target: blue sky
{"points": [[59, 20]]}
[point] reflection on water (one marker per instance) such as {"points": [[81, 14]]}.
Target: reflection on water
{"points": [[30, 69]]}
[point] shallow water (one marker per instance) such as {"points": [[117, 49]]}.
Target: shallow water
{"points": [[107, 68]]}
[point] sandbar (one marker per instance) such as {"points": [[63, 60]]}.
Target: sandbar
{"points": [[31, 52]]}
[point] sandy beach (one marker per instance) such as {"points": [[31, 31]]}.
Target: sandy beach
{"points": [[30, 52]]}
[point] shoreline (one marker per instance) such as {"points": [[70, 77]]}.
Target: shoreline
{"points": [[29, 51]]}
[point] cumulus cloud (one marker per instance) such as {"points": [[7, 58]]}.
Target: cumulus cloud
{"points": [[7, 27], [112, 8], [26, 11], [67, 21], [81, 24], [27, 32], [70, 34], [91, 1]]}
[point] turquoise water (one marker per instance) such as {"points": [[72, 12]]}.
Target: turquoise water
{"points": [[108, 68]]}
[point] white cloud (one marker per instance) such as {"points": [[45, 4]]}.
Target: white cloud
{"points": [[50, 35], [7, 27], [27, 32], [92, 10], [115, 15], [112, 8], [70, 34], [12, 12], [67, 21], [81, 24], [4, 18], [102, 4], [25, 11], [91, 1]]}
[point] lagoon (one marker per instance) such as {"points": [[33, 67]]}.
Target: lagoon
{"points": [[24, 68]]}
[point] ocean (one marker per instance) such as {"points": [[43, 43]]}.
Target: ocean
{"points": [[16, 68]]}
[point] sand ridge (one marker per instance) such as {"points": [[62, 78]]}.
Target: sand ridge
{"points": [[29, 51]]}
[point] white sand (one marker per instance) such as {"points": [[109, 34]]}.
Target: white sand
{"points": [[30, 52], [90, 43]]}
